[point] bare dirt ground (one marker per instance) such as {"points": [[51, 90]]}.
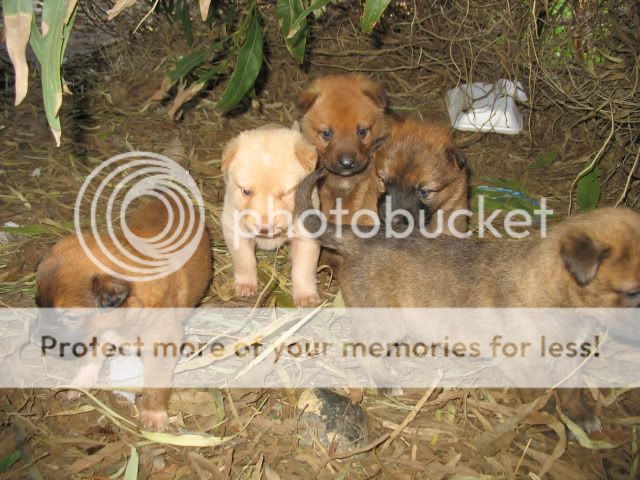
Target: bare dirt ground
{"points": [[460, 434]]}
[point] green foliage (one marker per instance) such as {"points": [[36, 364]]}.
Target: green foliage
{"points": [[288, 11], [48, 43], [373, 10], [568, 37], [248, 64], [545, 160], [588, 190], [8, 460], [239, 45], [301, 19]]}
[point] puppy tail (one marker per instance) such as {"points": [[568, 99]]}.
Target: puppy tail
{"points": [[313, 221]]}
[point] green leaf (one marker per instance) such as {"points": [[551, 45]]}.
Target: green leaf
{"points": [[185, 19], [8, 460], [187, 63], [545, 160], [588, 190], [302, 17], [247, 66], [131, 473], [282, 297], [287, 11], [49, 49], [17, 7], [373, 10]]}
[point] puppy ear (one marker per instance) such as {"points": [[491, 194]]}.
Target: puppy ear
{"points": [[228, 153], [307, 98], [378, 143], [457, 157], [374, 92], [582, 256], [306, 155], [109, 291]]}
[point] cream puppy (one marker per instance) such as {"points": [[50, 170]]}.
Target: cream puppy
{"points": [[262, 169]]}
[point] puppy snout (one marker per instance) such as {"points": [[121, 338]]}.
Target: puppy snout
{"points": [[264, 229], [347, 161], [399, 221]]}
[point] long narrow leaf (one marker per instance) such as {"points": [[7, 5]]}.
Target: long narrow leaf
{"points": [[17, 21], [131, 473], [49, 45], [588, 190], [287, 11], [373, 10], [247, 67], [302, 17]]}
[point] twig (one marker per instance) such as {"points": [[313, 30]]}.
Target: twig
{"points": [[409, 418], [524, 452], [593, 162], [151, 10], [626, 186]]}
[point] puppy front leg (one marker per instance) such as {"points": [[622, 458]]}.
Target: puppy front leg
{"points": [[245, 269], [304, 264], [86, 377]]}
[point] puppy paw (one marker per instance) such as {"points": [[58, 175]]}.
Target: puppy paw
{"points": [[246, 289], [305, 298], [154, 420]]}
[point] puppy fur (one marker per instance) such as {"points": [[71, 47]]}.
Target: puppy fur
{"points": [[343, 116], [263, 167], [590, 260], [423, 172], [68, 278]]}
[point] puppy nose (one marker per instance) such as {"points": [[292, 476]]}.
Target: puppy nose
{"points": [[264, 229], [347, 162], [400, 221]]}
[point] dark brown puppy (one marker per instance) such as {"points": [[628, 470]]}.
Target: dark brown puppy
{"points": [[590, 260], [423, 173], [343, 116], [67, 278]]}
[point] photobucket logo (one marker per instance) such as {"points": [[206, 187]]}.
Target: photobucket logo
{"points": [[398, 222], [128, 255]]}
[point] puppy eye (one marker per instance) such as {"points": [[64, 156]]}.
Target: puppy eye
{"points": [[327, 133], [362, 132], [632, 294], [246, 192], [423, 192]]}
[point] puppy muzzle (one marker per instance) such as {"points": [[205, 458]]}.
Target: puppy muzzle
{"points": [[396, 205], [347, 164]]}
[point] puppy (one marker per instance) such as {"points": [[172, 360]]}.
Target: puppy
{"points": [[343, 116], [262, 169], [67, 278], [590, 260], [423, 173]]}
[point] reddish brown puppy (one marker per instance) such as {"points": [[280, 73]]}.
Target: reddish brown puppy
{"points": [[344, 118], [67, 278], [425, 175]]}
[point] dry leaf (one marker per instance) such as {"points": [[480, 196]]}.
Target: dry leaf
{"points": [[204, 9], [118, 8], [17, 31]]}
